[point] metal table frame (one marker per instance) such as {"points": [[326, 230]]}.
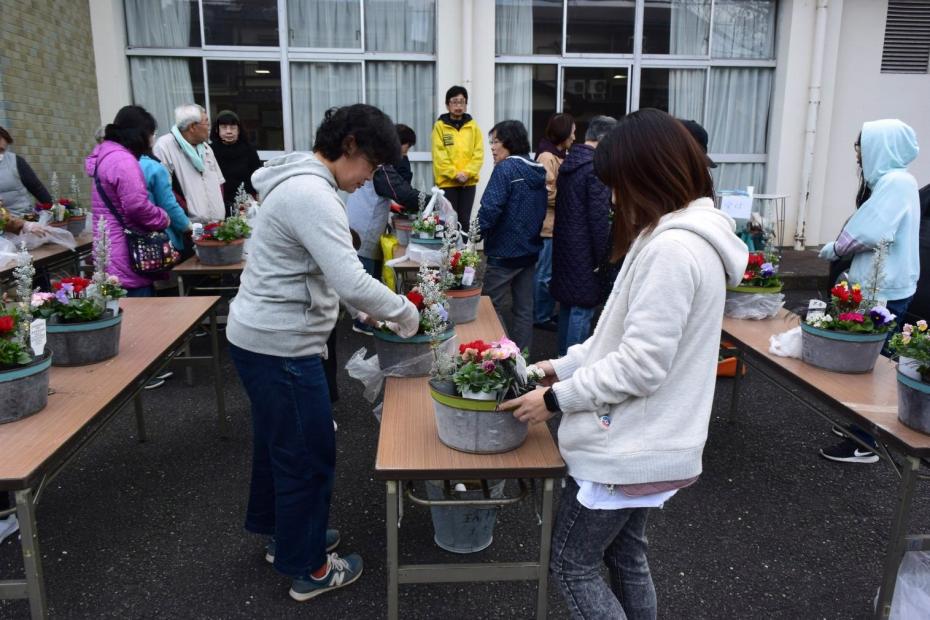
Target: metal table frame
{"points": [[909, 471], [32, 587], [466, 572]]}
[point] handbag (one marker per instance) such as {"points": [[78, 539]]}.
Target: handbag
{"points": [[149, 253]]}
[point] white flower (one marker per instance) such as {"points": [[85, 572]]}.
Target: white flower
{"points": [[535, 373]]}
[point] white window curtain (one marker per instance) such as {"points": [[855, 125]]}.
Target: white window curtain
{"points": [[405, 91], [513, 27], [324, 23], [158, 24], [686, 94], [160, 85], [400, 25], [316, 87], [744, 29], [513, 94], [689, 27], [738, 177]]}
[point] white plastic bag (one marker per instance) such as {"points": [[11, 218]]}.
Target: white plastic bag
{"points": [[912, 589], [786, 344], [58, 236], [367, 371], [753, 305]]}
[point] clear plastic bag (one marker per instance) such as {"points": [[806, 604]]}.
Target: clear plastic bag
{"points": [[753, 305], [371, 375], [786, 344], [58, 236], [8, 251], [912, 588]]}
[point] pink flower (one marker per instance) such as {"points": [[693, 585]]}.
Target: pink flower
{"points": [[505, 349], [853, 317], [488, 367], [39, 299]]}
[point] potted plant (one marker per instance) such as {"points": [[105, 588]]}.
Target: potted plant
{"points": [[482, 375], [82, 329], [464, 286], [23, 371], [913, 347], [850, 337], [75, 218], [402, 220], [414, 356], [222, 242], [758, 296], [426, 226]]}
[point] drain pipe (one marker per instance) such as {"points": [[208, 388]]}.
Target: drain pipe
{"points": [[466, 44], [813, 107]]}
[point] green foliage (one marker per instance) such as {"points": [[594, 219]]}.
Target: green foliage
{"points": [[230, 229], [14, 354]]}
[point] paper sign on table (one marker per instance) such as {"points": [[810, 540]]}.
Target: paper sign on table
{"points": [[737, 206], [37, 336], [815, 309]]}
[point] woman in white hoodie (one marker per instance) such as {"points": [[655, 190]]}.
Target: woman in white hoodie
{"points": [[636, 397]]}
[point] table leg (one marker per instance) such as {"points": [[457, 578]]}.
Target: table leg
{"points": [[32, 559], [896, 538], [392, 559], [734, 396], [188, 370], [218, 378], [545, 546], [140, 418]]}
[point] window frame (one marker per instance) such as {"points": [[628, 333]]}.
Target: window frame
{"points": [[285, 55]]}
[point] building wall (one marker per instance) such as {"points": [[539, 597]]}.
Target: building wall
{"points": [[49, 87]]}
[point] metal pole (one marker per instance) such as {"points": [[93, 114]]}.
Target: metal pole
{"points": [[392, 561], [32, 558], [188, 370], [545, 547], [140, 418], [896, 538], [223, 419]]}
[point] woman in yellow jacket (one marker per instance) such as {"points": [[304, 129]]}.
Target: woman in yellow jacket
{"points": [[458, 152]]}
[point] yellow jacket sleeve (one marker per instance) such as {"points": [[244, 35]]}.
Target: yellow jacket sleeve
{"points": [[477, 156], [443, 168]]}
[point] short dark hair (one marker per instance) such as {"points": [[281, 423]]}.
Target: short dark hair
{"points": [[133, 127], [512, 134], [226, 117], [652, 166], [559, 128], [6, 135], [455, 91], [406, 135], [369, 128]]}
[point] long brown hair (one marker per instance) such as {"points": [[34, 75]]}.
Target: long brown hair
{"points": [[653, 166]]}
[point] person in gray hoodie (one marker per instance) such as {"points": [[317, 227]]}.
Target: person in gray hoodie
{"points": [[511, 216], [636, 396], [301, 264]]}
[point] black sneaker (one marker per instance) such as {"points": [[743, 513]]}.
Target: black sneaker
{"points": [[848, 451], [165, 374], [549, 326], [838, 431], [154, 384], [362, 328]]}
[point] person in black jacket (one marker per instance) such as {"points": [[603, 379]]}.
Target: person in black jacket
{"points": [[18, 180], [237, 158], [580, 239]]}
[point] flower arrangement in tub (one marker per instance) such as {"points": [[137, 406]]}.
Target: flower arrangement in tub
{"points": [[761, 273], [852, 313], [78, 300], [492, 371], [15, 317]]}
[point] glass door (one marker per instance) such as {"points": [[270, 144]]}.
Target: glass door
{"points": [[594, 91]]}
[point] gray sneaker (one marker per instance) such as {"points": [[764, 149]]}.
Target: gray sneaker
{"points": [[332, 542], [342, 572]]}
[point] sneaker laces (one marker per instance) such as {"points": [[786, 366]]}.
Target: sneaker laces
{"points": [[337, 563]]}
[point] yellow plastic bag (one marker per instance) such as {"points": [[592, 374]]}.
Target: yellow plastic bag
{"points": [[387, 252]]}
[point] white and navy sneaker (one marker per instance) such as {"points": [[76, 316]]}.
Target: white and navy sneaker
{"points": [[340, 572], [848, 451]]}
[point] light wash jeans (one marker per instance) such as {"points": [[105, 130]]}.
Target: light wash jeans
{"points": [[574, 326], [583, 541], [544, 305]]}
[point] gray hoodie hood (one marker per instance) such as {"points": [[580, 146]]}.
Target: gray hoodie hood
{"points": [[277, 170], [714, 226]]}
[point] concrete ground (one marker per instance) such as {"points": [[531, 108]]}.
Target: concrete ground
{"points": [[135, 530]]}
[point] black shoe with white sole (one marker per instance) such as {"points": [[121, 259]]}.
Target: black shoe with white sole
{"points": [[166, 374], [154, 383], [848, 451], [838, 431]]}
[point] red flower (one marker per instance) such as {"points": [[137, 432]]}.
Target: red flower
{"points": [[478, 345], [78, 283], [65, 201], [454, 262], [857, 296], [840, 292], [854, 317], [748, 276], [416, 298], [43, 206], [756, 259], [6, 324], [212, 226]]}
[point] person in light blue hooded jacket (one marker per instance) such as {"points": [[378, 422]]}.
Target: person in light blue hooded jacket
{"points": [[888, 209]]}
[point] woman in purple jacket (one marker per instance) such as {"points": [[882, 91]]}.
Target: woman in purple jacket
{"points": [[115, 161]]}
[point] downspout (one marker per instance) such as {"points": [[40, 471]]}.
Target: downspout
{"points": [[466, 31], [813, 107]]}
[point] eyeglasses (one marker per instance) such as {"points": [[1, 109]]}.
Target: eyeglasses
{"points": [[458, 101]]}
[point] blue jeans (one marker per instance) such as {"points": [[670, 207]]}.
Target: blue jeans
{"points": [[897, 307], [145, 291], [574, 326], [543, 304], [294, 456], [583, 541]]}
